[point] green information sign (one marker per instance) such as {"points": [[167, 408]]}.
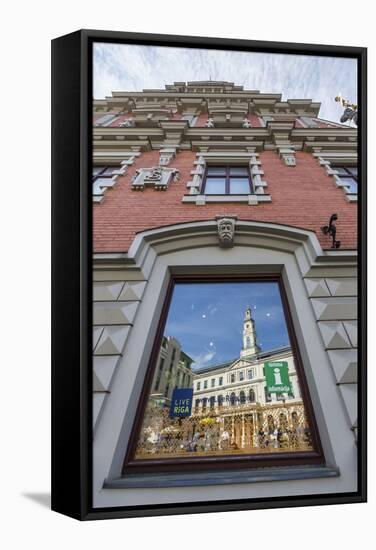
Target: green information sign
{"points": [[277, 376]]}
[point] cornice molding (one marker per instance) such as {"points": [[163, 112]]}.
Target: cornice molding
{"points": [[312, 259]]}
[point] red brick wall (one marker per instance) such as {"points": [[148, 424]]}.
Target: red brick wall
{"points": [[302, 196], [201, 120], [255, 121]]}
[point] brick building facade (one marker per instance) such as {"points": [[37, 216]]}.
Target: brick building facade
{"points": [[166, 165], [293, 147]]}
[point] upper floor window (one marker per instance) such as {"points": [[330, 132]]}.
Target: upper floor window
{"points": [[349, 177], [213, 382], [220, 382], [241, 375], [102, 178], [205, 384], [232, 379], [250, 374], [227, 180], [190, 118], [198, 386]]}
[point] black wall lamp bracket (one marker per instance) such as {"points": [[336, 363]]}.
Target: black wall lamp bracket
{"points": [[331, 230]]}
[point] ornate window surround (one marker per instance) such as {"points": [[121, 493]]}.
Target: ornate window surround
{"points": [[204, 159], [327, 159], [226, 174], [124, 159]]}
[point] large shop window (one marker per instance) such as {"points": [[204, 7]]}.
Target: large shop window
{"points": [[227, 180], [255, 411]]}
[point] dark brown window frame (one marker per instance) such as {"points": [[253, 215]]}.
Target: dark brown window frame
{"points": [[227, 177], [224, 462]]}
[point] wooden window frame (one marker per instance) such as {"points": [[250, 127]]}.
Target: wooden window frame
{"points": [[227, 177], [222, 462]]}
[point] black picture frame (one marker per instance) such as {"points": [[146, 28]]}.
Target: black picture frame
{"points": [[72, 269]]}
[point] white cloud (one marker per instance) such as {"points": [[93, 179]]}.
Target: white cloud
{"points": [[119, 67], [202, 359]]}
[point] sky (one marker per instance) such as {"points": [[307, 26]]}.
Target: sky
{"points": [[120, 67], [207, 319]]}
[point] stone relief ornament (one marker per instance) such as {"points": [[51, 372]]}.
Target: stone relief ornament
{"points": [[154, 176], [129, 123], [158, 177], [226, 230]]}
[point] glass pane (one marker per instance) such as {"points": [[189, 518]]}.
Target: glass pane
{"points": [[97, 169], [215, 186], [239, 186], [99, 183], [353, 170], [211, 333], [238, 171], [216, 170], [340, 169], [109, 170], [351, 184]]}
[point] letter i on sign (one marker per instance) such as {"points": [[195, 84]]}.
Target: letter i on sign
{"points": [[277, 376]]}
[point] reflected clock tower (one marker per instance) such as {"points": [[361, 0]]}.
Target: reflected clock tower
{"points": [[250, 346]]}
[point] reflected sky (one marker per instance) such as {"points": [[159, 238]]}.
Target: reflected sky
{"points": [[207, 319]]}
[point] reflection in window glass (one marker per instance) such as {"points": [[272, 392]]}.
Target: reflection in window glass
{"points": [[109, 170], [217, 331], [351, 184], [216, 171], [215, 186], [349, 177], [238, 171], [102, 178], [227, 180], [97, 169], [239, 186]]}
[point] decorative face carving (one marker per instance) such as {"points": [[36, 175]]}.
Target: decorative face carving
{"points": [[226, 230]]}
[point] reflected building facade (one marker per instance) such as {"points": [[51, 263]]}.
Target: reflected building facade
{"points": [[173, 369], [236, 393]]}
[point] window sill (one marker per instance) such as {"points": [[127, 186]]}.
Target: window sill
{"points": [[201, 200], [190, 479]]}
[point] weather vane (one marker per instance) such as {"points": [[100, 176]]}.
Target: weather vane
{"points": [[351, 110]]}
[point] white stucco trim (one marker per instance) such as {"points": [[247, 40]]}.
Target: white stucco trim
{"points": [[345, 159], [204, 158]]}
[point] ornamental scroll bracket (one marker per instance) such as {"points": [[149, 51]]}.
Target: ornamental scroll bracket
{"points": [[226, 230], [281, 134], [166, 155]]}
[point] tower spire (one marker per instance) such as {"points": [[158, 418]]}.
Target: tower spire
{"points": [[250, 346]]}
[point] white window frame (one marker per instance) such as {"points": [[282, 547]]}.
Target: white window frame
{"points": [[204, 159]]}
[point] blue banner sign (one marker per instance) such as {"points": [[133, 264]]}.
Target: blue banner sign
{"points": [[181, 402]]}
